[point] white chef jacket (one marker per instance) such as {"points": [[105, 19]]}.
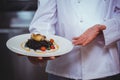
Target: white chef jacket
{"points": [[70, 18]]}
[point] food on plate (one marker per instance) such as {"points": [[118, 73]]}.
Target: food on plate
{"points": [[39, 43]]}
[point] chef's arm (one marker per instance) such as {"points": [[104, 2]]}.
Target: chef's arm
{"points": [[45, 18], [112, 31]]}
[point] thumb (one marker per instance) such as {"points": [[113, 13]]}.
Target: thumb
{"points": [[102, 27]]}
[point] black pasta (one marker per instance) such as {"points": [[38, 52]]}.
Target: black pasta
{"points": [[33, 44]]}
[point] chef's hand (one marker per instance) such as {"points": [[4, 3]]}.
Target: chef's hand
{"points": [[37, 60], [89, 35]]}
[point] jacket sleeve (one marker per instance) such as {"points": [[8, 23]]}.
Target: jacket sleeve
{"points": [[45, 18], [112, 32]]}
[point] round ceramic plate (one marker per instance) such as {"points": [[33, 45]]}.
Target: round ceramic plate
{"points": [[15, 45]]}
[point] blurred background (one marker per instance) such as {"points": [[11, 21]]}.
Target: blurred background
{"points": [[15, 17]]}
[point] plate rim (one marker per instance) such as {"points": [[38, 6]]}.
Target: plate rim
{"points": [[38, 55]]}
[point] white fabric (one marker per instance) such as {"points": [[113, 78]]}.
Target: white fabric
{"points": [[70, 18]]}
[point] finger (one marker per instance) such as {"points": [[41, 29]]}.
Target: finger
{"points": [[40, 58], [76, 42], [49, 58], [33, 60], [57, 56], [52, 58], [102, 27], [89, 40], [75, 38], [20, 54], [84, 44], [80, 41]]}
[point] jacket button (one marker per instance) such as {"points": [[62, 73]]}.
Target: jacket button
{"points": [[78, 1], [104, 19], [81, 21]]}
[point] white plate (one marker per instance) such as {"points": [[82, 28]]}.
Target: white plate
{"points": [[14, 44]]}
